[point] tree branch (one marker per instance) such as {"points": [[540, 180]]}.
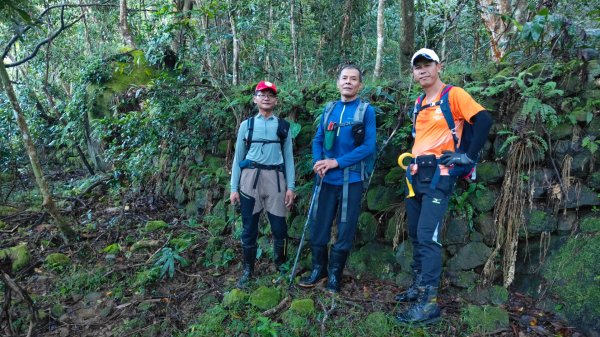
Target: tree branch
{"points": [[14, 39], [49, 39]]}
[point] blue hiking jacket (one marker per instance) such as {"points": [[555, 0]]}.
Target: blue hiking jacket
{"points": [[343, 149]]}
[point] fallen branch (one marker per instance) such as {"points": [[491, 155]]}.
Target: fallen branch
{"points": [[12, 286], [276, 309], [326, 313]]}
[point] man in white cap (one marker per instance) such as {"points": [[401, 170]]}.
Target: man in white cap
{"points": [[262, 177], [450, 129]]}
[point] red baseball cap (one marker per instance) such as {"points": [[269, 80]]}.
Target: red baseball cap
{"points": [[263, 85]]}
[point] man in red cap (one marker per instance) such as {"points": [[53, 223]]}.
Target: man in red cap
{"points": [[262, 177]]}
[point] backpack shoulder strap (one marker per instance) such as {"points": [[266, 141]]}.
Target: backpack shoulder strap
{"points": [[415, 113], [250, 124], [359, 114], [283, 128], [327, 112], [447, 112]]}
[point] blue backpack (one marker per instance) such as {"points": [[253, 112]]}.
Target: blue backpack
{"points": [[367, 165], [465, 171]]}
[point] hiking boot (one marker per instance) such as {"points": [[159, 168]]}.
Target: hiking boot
{"points": [[425, 311], [412, 293], [249, 259], [337, 261], [279, 253], [319, 267]]}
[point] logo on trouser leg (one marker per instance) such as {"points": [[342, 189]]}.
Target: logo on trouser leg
{"points": [[436, 201]]}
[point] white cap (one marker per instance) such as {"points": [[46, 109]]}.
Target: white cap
{"points": [[426, 53]]}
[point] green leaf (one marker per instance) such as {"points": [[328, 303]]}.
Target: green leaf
{"points": [[295, 128]]}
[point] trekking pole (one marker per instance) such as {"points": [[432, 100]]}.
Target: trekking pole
{"points": [[310, 208]]}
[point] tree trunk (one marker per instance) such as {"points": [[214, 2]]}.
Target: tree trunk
{"points": [[346, 36], [294, 39], [236, 47], [124, 26], [492, 18], [179, 39], [48, 201], [380, 22], [267, 65], [407, 35]]}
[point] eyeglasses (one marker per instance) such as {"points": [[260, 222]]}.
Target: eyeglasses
{"points": [[265, 96]]}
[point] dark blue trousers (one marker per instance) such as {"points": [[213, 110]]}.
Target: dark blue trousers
{"points": [[425, 212], [250, 223], [329, 204]]}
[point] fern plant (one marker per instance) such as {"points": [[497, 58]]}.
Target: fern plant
{"points": [[531, 139], [166, 261]]}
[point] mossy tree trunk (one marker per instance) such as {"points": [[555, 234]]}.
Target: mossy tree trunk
{"points": [[48, 201], [407, 36]]}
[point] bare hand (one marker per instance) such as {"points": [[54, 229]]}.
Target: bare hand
{"points": [[322, 166], [234, 197], [290, 196]]}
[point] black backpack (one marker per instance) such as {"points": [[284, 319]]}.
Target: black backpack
{"points": [[283, 129]]}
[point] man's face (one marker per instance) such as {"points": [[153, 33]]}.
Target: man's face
{"points": [[426, 72], [265, 100], [349, 83]]}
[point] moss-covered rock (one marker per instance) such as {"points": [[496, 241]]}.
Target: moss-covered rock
{"points": [[404, 256], [484, 200], [581, 195], [235, 299], [562, 131], [19, 255], [155, 225], [380, 198], [265, 298], [494, 295], [484, 224], [457, 231], [490, 172], [375, 260], [376, 324], [304, 307], [484, 319], [57, 261], [394, 176], [367, 228], [472, 255], [538, 221], [590, 224], [462, 279], [573, 279]]}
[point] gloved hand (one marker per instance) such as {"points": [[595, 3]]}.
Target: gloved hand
{"points": [[454, 158]]}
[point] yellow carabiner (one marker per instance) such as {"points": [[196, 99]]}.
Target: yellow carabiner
{"points": [[402, 157], [411, 192]]}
